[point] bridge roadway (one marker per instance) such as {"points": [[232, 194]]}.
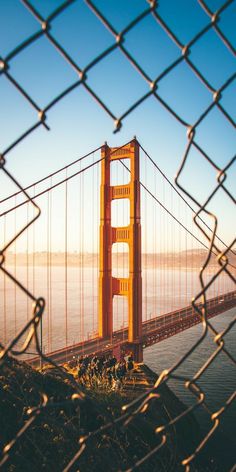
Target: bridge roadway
{"points": [[154, 331]]}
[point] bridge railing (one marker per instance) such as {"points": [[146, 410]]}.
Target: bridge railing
{"points": [[153, 330]]}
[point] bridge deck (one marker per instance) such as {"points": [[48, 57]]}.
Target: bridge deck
{"points": [[154, 330]]}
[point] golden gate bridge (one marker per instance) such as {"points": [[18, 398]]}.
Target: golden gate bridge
{"points": [[117, 272]]}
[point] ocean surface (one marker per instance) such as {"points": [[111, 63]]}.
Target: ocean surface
{"points": [[75, 307], [72, 300], [218, 383]]}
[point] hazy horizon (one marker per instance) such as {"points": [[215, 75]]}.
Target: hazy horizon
{"points": [[190, 258]]}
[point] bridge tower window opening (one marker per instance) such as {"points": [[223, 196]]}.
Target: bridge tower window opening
{"points": [[120, 260], [120, 212], [120, 314], [120, 172]]}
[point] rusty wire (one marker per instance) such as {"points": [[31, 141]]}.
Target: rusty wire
{"points": [[30, 330]]}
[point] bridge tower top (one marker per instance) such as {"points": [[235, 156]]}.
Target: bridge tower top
{"points": [[109, 286]]}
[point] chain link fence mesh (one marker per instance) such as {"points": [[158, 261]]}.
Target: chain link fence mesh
{"points": [[31, 330]]}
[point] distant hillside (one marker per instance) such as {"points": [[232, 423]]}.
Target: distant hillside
{"points": [[184, 259]]}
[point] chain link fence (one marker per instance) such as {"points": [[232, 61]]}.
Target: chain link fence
{"points": [[30, 332]]}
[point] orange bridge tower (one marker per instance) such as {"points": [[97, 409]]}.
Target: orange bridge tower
{"points": [[109, 286]]}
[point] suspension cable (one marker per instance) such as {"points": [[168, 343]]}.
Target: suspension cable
{"points": [[180, 195], [176, 219], [51, 187], [51, 175]]}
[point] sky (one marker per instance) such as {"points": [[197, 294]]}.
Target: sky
{"points": [[78, 124]]}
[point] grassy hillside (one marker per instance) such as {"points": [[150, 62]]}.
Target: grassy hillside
{"points": [[52, 439]]}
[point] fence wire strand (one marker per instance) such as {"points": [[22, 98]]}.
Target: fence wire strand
{"points": [[30, 332]]}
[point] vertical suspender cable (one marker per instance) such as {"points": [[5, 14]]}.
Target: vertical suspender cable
{"points": [[80, 262], [172, 253], [48, 270], [93, 246], [186, 262], [161, 259], [77, 329], [27, 261], [154, 251], [82, 265], [218, 285], [41, 320], [191, 268], [15, 327], [83, 240], [50, 265], [66, 262], [145, 230], [164, 247], [98, 168], [4, 289], [34, 251], [180, 260]]}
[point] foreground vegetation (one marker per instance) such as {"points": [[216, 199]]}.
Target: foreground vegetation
{"points": [[52, 439]]}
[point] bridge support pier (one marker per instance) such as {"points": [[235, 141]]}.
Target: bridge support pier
{"points": [[137, 351]]}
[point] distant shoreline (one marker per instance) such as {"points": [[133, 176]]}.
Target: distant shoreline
{"points": [[184, 259]]}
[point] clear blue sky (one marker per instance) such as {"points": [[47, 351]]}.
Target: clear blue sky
{"points": [[78, 124]]}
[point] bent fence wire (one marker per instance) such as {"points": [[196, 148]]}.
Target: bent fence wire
{"points": [[31, 329]]}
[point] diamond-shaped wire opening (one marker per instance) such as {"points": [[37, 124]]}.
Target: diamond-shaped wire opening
{"points": [[221, 204], [213, 59], [11, 100], [228, 100], [14, 215], [190, 18], [151, 47], [219, 364], [16, 305], [117, 82], [227, 24], [12, 32], [229, 184], [42, 71], [81, 33], [216, 136], [219, 278], [46, 9], [10, 238], [198, 190], [124, 12], [180, 88]]}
